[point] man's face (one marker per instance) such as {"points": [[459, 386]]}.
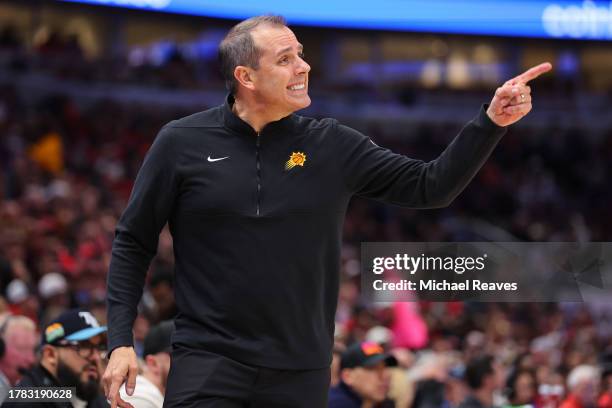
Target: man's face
{"points": [[370, 383], [525, 389], [281, 81], [586, 392], [79, 367], [495, 380], [19, 356], [163, 294]]}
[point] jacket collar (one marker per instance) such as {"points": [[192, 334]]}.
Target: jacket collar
{"points": [[348, 392], [232, 121]]}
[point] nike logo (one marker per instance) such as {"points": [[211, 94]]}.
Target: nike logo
{"points": [[217, 159]]}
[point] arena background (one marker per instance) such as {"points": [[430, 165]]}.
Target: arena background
{"points": [[85, 88]]}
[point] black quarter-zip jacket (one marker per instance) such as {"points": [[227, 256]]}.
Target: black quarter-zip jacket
{"points": [[257, 242]]}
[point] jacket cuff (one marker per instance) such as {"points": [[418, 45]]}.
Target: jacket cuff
{"points": [[124, 341], [483, 121]]}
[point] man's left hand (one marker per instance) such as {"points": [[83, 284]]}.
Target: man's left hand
{"points": [[512, 101]]}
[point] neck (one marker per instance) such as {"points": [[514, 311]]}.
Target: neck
{"points": [[485, 397], [367, 404], [255, 113]]}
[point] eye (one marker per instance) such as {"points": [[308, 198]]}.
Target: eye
{"points": [[301, 54], [284, 60]]}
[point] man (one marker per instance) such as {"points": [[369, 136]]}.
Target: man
{"points": [[17, 345], [70, 357], [255, 198], [54, 295], [484, 376], [151, 384], [583, 384], [162, 291], [522, 388], [364, 380]]}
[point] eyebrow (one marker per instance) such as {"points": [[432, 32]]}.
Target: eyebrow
{"points": [[284, 50]]}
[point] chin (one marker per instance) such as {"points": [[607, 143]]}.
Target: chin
{"points": [[303, 103]]}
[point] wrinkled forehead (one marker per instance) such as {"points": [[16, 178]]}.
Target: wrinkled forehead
{"points": [[270, 39]]}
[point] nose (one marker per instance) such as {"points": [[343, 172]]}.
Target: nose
{"points": [[383, 374], [302, 66], [95, 356]]}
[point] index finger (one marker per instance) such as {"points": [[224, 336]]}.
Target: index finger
{"points": [[532, 73], [113, 393]]}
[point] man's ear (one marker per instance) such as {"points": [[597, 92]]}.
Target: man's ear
{"points": [[152, 363], [346, 375], [50, 355], [243, 76]]}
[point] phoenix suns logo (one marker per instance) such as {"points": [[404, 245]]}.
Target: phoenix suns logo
{"points": [[296, 159]]}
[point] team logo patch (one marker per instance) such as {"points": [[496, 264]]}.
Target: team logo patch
{"points": [[371, 348], [296, 159], [54, 331]]}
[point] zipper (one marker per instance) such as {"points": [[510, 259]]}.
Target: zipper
{"points": [[258, 165]]}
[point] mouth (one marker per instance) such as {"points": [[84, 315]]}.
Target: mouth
{"points": [[92, 372], [297, 87]]}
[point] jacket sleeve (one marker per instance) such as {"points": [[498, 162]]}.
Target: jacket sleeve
{"points": [[137, 235], [375, 172]]}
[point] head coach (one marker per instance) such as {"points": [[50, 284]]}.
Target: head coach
{"points": [[255, 197]]}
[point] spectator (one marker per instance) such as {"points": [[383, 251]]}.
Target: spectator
{"points": [[151, 382], [430, 394], [364, 381], [17, 344], [161, 287], [583, 385], [605, 399], [484, 377], [521, 388], [54, 292], [430, 374], [70, 357], [142, 325], [21, 300], [337, 351]]}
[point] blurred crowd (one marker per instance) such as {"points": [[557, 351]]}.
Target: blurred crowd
{"points": [[165, 65], [66, 173]]}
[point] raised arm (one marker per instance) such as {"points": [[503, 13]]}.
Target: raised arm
{"points": [[378, 173]]}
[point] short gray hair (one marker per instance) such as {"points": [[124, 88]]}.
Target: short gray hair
{"points": [[238, 47], [12, 321], [581, 374]]}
